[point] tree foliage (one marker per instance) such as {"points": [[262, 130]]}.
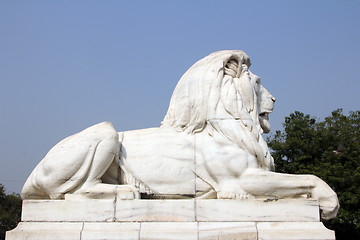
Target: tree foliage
{"points": [[10, 211], [329, 149]]}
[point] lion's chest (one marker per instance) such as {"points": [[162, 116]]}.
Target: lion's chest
{"points": [[222, 159]]}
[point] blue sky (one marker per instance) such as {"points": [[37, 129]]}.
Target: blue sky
{"points": [[66, 65]]}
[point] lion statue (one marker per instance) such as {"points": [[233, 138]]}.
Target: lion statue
{"points": [[209, 145]]}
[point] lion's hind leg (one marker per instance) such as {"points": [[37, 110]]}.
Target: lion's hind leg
{"points": [[93, 188], [31, 190]]}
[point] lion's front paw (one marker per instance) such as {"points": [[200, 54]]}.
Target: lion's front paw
{"points": [[329, 207], [232, 195], [328, 200]]}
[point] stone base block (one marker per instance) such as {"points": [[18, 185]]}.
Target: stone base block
{"points": [[171, 230], [46, 230], [293, 230], [170, 219], [145, 210]]}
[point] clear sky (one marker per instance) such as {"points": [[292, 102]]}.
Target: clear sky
{"points": [[66, 65]]}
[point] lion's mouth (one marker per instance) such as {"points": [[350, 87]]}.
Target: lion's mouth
{"points": [[264, 115], [264, 121]]}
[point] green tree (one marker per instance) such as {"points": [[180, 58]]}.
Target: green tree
{"points": [[10, 211], [329, 149]]}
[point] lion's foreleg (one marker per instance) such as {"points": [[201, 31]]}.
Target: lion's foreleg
{"points": [[264, 183]]}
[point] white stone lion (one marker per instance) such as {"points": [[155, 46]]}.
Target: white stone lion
{"points": [[209, 145]]}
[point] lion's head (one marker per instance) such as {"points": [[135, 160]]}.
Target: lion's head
{"points": [[222, 78], [221, 86]]}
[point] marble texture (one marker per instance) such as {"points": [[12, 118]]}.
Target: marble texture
{"points": [[182, 210], [294, 230], [205, 173], [227, 210], [246, 221], [68, 211], [171, 230], [45, 230], [227, 230], [198, 219], [111, 231], [209, 146], [156, 210]]}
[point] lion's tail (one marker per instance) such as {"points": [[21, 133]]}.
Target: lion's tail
{"points": [[129, 179]]}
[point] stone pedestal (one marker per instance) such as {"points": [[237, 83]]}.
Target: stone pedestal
{"points": [[170, 219]]}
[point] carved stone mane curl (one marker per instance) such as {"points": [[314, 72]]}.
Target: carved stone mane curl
{"points": [[207, 93]]}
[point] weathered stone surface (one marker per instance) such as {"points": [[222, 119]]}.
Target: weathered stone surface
{"points": [[156, 210], [181, 210], [68, 211], [257, 210], [227, 230], [170, 219], [209, 145], [45, 230], [209, 154], [111, 231], [294, 230], [171, 230]]}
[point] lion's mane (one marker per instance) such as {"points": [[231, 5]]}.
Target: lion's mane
{"points": [[207, 89]]}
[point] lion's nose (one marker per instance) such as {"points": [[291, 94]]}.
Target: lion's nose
{"points": [[273, 99]]}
